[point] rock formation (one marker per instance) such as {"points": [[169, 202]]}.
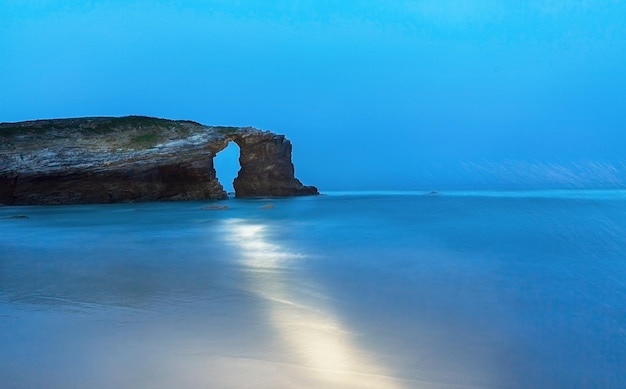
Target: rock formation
{"points": [[266, 167], [135, 158]]}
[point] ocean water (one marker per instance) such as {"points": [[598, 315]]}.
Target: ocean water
{"points": [[343, 290]]}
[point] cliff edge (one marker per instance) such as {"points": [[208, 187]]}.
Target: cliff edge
{"points": [[137, 158]]}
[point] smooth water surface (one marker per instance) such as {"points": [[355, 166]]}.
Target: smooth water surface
{"points": [[345, 290]]}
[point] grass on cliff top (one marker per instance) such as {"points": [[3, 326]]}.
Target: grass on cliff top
{"points": [[144, 141], [225, 129], [92, 125]]}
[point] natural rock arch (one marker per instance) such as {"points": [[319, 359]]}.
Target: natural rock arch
{"points": [[265, 164], [103, 160], [226, 164]]}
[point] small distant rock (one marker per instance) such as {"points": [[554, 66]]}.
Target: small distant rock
{"points": [[267, 206], [216, 206], [16, 217], [433, 193]]}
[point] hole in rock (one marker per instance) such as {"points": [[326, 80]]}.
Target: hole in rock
{"points": [[226, 164]]}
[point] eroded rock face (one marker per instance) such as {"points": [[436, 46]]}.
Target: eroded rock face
{"points": [[103, 160], [266, 167]]}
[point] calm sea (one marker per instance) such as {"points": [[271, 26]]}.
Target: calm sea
{"points": [[343, 290]]}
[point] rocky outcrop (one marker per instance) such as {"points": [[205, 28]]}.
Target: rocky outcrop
{"points": [[266, 167], [134, 158]]}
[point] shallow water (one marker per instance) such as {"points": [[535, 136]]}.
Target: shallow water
{"points": [[345, 290]]}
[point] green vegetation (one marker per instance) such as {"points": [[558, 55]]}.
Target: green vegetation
{"points": [[140, 121], [144, 141], [94, 125], [226, 129], [128, 132], [8, 131]]}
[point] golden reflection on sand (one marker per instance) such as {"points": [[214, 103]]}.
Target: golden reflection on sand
{"points": [[319, 347]]}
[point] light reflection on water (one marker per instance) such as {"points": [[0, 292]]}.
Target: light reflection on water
{"points": [[312, 333], [346, 290]]}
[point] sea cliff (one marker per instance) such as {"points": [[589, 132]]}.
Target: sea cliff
{"points": [[137, 158]]}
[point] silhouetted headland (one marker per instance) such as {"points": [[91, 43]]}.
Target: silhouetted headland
{"points": [[137, 158]]}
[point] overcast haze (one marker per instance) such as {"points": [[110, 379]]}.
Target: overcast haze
{"points": [[373, 94]]}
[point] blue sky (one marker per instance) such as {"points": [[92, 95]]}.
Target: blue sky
{"points": [[373, 94]]}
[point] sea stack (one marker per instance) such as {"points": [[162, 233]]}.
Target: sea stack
{"points": [[137, 158]]}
